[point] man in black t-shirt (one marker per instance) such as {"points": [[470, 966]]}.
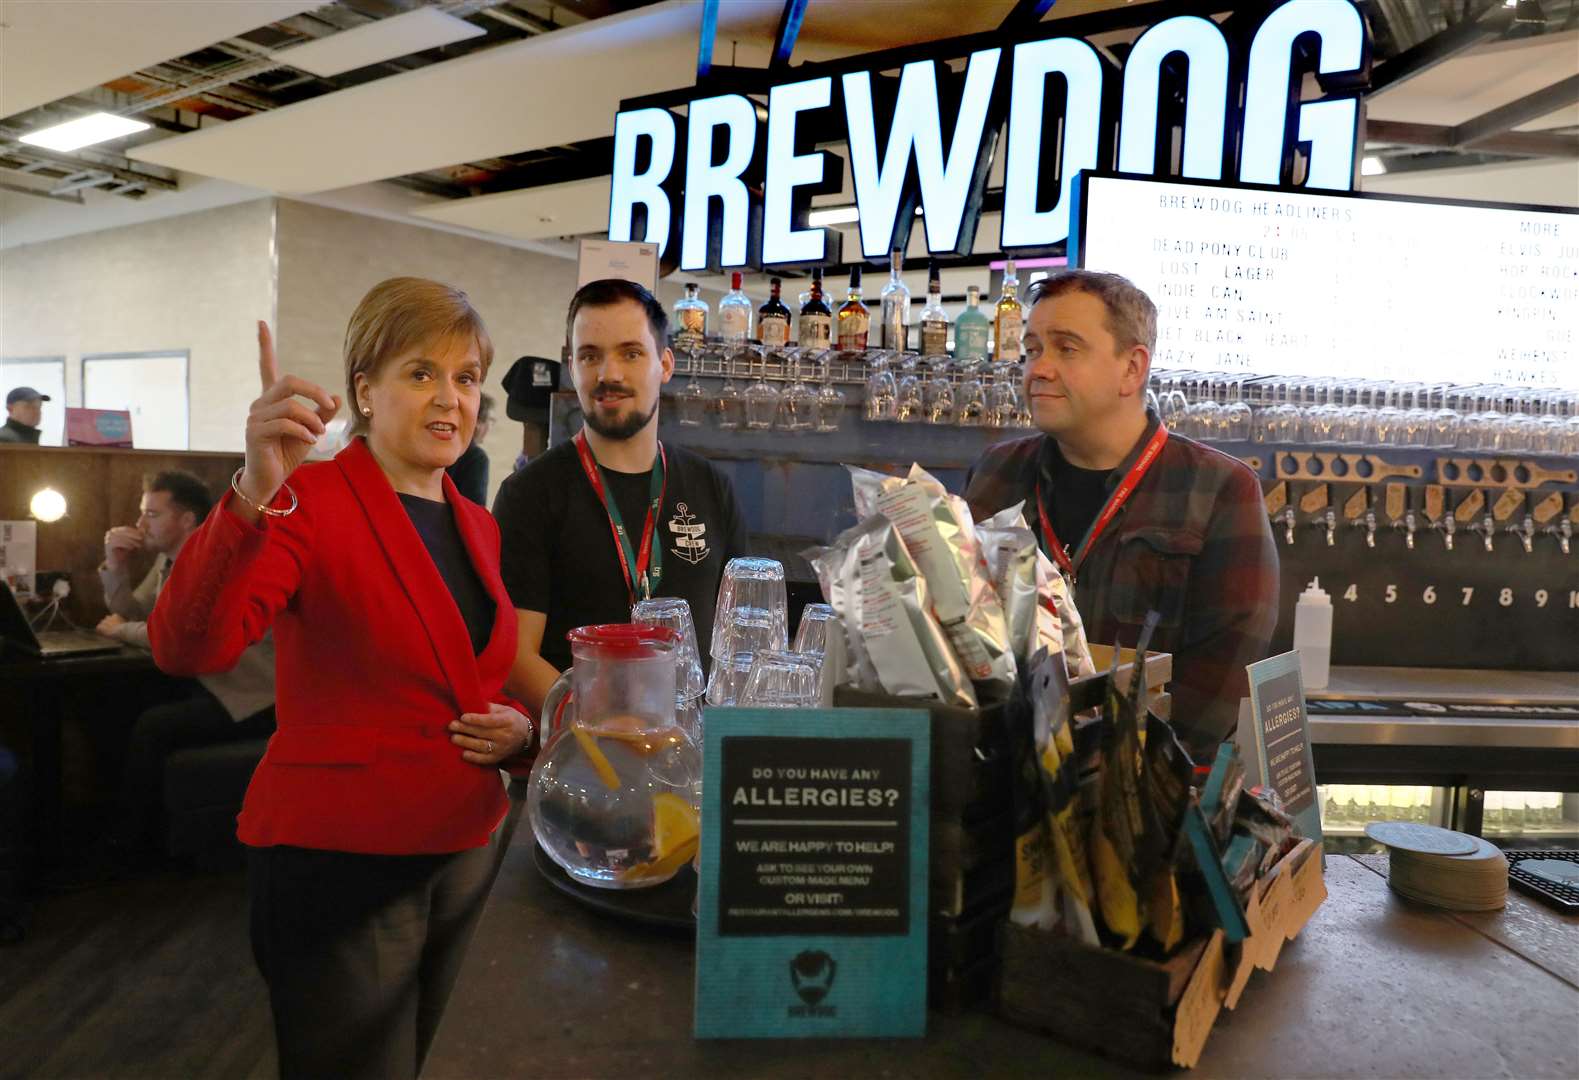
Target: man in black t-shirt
{"points": [[611, 517]]}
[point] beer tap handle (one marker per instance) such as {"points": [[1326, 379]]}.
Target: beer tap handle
{"points": [[1290, 519], [1330, 520], [1525, 531], [1488, 530], [1370, 528], [1409, 523]]}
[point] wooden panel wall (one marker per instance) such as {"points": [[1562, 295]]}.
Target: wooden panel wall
{"points": [[102, 488]]}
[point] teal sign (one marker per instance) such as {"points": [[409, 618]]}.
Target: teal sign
{"points": [[1282, 739], [811, 918]]}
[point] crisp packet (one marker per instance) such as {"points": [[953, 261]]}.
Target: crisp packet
{"points": [[1009, 548], [830, 563], [1018, 566], [940, 537], [884, 605]]}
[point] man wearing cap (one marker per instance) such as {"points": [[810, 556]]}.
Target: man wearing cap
{"points": [[529, 388], [612, 516], [24, 408]]}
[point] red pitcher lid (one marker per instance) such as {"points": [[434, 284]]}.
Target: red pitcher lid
{"points": [[625, 638]]}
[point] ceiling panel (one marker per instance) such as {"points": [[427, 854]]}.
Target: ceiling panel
{"points": [[1480, 80], [581, 206], [558, 88], [375, 42], [50, 49]]}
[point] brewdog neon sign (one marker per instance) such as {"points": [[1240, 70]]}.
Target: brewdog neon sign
{"points": [[1065, 107]]}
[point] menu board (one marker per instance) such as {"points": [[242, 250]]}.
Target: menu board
{"points": [[1273, 282]]}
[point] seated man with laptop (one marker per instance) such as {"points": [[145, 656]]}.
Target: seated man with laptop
{"points": [[233, 706]]}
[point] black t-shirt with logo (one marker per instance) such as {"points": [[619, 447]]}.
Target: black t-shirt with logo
{"points": [[558, 554]]}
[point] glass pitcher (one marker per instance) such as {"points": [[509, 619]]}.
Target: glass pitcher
{"points": [[614, 795]]}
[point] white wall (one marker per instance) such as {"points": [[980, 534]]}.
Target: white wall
{"points": [[330, 258], [1542, 182], [195, 283]]}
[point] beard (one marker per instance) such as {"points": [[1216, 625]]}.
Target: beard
{"points": [[620, 429]]}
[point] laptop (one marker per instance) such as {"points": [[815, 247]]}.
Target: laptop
{"points": [[51, 644]]}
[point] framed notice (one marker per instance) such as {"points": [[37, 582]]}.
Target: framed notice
{"points": [[1280, 730], [811, 918], [612, 259]]}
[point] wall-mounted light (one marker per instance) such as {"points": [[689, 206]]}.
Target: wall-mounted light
{"points": [[48, 505], [84, 131]]}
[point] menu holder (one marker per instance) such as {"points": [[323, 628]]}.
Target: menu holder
{"points": [[812, 907], [1280, 731]]}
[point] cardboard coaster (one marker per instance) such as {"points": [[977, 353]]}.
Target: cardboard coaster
{"points": [[1423, 839]]}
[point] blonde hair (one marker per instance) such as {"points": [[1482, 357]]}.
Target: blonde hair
{"points": [[403, 313]]}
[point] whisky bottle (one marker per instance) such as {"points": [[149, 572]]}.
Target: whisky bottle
{"points": [[690, 320], [773, 320], [816, 319], [934, 320], [855, 321], [1009, 324]]}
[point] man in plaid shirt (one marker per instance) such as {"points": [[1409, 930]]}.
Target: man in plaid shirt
{"points": [[1192, 541]]}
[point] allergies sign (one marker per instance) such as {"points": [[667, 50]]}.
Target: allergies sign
{"points": [[811, 919], [731, 181]]}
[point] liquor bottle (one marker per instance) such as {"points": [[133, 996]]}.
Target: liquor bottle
{"points": [[896, 307], [734, 314], [970, 330], [855, 321], [934, 320], [816, 318], [773, 320], [690, 320], [1009, 326]]}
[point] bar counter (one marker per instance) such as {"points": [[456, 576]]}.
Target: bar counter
{"points": [[1374, 986]]}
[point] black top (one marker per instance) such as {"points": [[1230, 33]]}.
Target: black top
{"points": [[1077, 497], [558, 554], [14, 430], [470, 473], [435, 523]]}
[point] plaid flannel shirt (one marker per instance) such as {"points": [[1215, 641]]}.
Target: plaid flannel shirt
{"points": [[1192, 542]]}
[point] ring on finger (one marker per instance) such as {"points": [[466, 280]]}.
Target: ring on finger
{"points": [[488, 746]]}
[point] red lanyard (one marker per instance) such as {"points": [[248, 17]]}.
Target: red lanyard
{"points": [[1120, 495], [649, 562]]}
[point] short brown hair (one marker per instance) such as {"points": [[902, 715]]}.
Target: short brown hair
{"points": [[185, 490], [402, 313], [1131, 316]]}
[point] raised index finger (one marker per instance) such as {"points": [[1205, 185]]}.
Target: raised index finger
{"points": [[268, 366]]}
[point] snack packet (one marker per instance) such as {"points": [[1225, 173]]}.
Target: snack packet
{"points": [[882, 599], [940, 536]]}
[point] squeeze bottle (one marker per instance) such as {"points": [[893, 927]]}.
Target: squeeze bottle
{"points": [[1313, 635]]}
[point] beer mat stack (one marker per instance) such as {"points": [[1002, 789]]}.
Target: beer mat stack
{"points": [[1445, 869]]}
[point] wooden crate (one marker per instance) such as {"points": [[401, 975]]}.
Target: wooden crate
{"points": [[1156, 1015]]}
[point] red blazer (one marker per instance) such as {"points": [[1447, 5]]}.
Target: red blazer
{"points": [[373, 661]]}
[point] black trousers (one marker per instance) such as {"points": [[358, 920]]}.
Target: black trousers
{"points": [[360, 952], [200, 720]]}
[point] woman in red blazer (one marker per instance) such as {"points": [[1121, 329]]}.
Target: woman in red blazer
{"points": [[369, 820]]}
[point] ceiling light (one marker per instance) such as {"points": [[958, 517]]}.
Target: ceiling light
{"points": [[48, 505], [1372, 166], [833, 215], [84, 131]]}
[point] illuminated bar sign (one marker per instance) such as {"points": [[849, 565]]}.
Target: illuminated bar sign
{"points": [[925, 138]]}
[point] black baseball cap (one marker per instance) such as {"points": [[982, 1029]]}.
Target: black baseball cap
{"points": [[529, 386], [24, 393]]}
